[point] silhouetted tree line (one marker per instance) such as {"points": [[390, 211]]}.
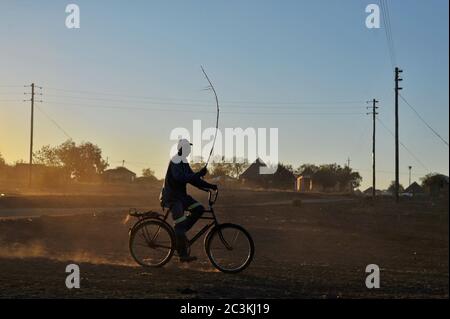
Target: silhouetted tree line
{"points": [[82, 162], [223, 168], [331, 175]]}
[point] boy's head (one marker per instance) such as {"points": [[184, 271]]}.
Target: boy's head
{"points": [[184, 147]]}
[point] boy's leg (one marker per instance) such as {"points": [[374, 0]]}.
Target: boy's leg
{"points": [[179, 219], [196, 211]]}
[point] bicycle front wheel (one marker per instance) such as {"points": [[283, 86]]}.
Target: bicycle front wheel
{"points": [[230, 248], [152, 243]]}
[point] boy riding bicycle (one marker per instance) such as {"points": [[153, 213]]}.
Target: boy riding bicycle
{"points": [[174, 196]]}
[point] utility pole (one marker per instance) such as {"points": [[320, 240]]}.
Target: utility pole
{"points": [[374, 114], [31, 135], [409, 181], [397, 155], [123, 163], [32, 100], [348, 162]]}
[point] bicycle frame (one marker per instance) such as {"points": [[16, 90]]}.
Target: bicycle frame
{"points": [[212, 197], [206, 227], [211, 200]]}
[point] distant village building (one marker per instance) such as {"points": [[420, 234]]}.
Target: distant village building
{"points": [[368, 192], [304, 184], [251, 174], [281, 179], [414, 189], [119, 175], [146, 180]]}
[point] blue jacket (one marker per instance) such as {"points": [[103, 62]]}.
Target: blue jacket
{"points": [[178, 175]]}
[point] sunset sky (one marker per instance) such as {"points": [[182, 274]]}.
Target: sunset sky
{"points": [[132, 73]]}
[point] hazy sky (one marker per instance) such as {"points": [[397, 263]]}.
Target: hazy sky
{"points": [[273, 63]]}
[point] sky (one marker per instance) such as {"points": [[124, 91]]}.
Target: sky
{"points": [[131, 73]]}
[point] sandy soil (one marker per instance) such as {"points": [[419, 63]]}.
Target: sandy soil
{"points": [[317, 250]]}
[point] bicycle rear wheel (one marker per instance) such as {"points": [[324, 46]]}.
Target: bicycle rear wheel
{"points": [[152, 243], [230, 248]]}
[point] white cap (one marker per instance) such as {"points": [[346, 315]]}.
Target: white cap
{"points": [[182, 143]]}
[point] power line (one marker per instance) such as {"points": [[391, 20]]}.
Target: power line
{"points": [[317, 106], [193, 111], [423, 120], [54, 122], [388, 31], [165, 99], [404, 146], [386, 6], [382, 171]]}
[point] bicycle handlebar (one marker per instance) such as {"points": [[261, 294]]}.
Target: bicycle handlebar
{"points": [[212, 195]]}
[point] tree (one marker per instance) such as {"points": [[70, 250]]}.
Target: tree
{"points": [[221, 168], [326, 175], [197, 166], [148, 172], [346, 176], [48, 156], [434, 183], [2, 160], [83, 162], [391, 188], [307, 169], [238, 167], [330, 175]]}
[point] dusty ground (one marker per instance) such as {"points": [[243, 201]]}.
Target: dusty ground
{"points": [[318, 250]]}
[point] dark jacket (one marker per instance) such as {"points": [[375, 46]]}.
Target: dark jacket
{"points": [[178, 175]]}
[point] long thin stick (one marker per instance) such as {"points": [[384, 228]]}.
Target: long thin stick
{"points": [[217, 116]]}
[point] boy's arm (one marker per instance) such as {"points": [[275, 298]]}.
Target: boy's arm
{"points": [[200, 183], [186, 175]]}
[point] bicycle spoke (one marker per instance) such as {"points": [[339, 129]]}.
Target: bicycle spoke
{"points": [[230, 249], [151, 244]]}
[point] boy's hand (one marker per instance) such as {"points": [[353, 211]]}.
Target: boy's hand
{"points": [[203, 172]]}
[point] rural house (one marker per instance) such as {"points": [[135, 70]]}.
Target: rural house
{"points": [[281, 179], [304, 183], [119, 175], [414, 189]]}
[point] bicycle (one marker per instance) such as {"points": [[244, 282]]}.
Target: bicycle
{"points": [[229, 247]]}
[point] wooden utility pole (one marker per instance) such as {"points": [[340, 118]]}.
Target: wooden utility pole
{"points": [[397, 155], [30, 174], [32, 100], [374, 114]]}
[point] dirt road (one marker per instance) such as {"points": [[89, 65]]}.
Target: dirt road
{"points": [[317, 250]]}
